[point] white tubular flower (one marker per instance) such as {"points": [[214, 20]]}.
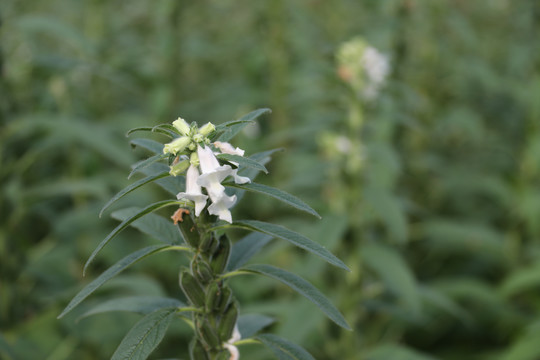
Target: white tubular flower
{"points": [[229, 345], [193, 190], [182, 126], [227, 148], [177, 145], [221, 207]]}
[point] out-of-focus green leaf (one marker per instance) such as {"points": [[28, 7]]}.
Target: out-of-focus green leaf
{"points": [[143, 163], [151, 145], [304, 288], [291, 236], [246, 248], [277, 194], [284, 349], [525, 347], [521, 280], [250, 324], [137, 304], [111, 272], [396, 352], [154, 225], [144, 336], [234, 127], [126, 223], [394, 272], [137, 184]]}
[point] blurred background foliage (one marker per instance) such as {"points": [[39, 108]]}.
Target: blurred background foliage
{"points": [[440, 224]]}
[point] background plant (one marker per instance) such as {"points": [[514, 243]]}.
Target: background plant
{"points": [[461, 98]]}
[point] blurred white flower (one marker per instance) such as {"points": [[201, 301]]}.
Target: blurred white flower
{"points": [[229, 345], [377, 68]]}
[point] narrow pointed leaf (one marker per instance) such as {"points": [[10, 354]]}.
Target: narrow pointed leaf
{"points": [[304, 288], [246, 248], [250, 324], [153, 146], [156, 226], [124, 224], [277, 194], [171, 184], [284, 349], [144, 163], [136, 304], [150, 129], [110, 273], [234, 127], [243, 161], [144, 336], [137, 184], [293, 237]]}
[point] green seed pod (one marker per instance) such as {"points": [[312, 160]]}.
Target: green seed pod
{"points": [[207, 334], [207, 244], [223, 355], [220, 258], [203, 272], [192, 289], [213, 294], [224, 300], [227, 322], [189, 231], [197, 351]]}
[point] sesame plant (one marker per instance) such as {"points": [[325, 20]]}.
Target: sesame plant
{"points": [[207, 176]]}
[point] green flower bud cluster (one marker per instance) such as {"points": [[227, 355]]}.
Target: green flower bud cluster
{"points": [[217, 311], [191, 135]]}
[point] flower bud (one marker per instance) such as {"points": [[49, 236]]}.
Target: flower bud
{"points": [[177, 145], [207, 129], [179, 168], [194, 159], [198, 138], [181, 125]]}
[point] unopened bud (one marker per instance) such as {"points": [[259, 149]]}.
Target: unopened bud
{"points": [[194, 159], [181, 125], [177, 145], [198, 138], [179, 168], [207, 129]]}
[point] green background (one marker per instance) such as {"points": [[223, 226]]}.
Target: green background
{"points": [[440, 227]]}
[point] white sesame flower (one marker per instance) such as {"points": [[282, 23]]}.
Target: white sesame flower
{"points": [[229, 345], [212, 175], [377, 68], [227, 148], [193, 190]]}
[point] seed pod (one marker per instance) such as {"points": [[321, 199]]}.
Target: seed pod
{"points": [[227, 322], [192, 289], [197, 351], [189, 231], [223, 355], [213, 294], [207, 244], [207, 334], [203, 272], [223, 301], [220, 258]]}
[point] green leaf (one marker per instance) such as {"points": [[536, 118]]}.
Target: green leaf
{"points": [[527, 278], [394, 272], [171, 184], [232, 128], [244, 161], [111, 272], [250, 324], [144, 336], [124, 224], [291, 236], [277, 194], [244, 249], [303, 287], [137, 304], [130, 188], [395, 352], [284, 349], [156, 226], [156, 129], [153, 146], [144, 163]]}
